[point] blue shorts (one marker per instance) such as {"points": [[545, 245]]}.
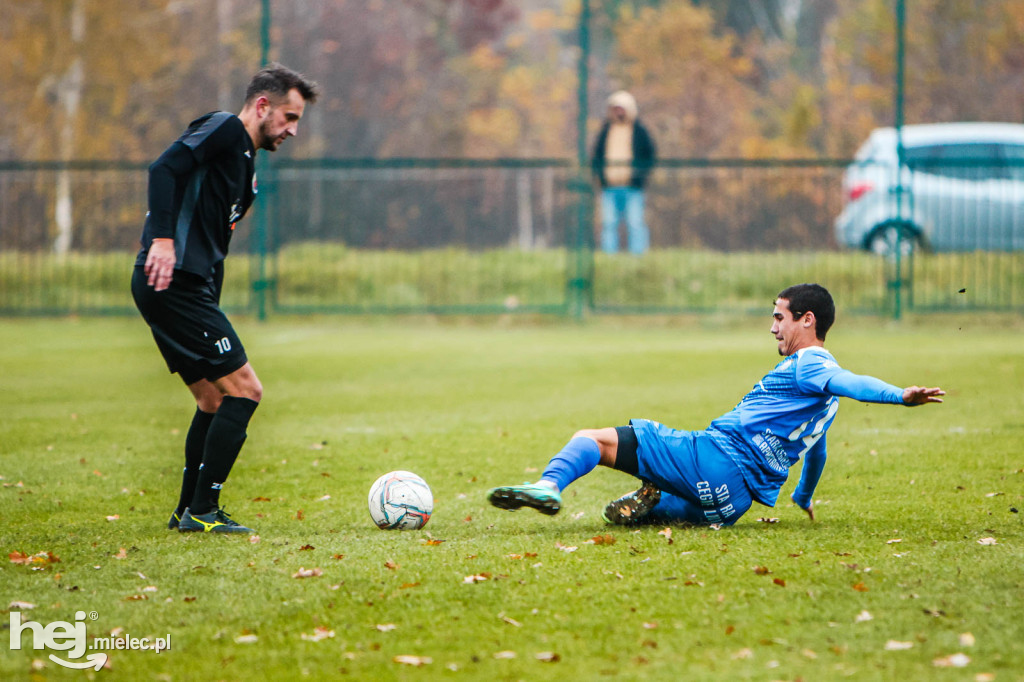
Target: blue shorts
{"points": [[698, 482]]}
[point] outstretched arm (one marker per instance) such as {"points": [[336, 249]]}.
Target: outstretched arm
{"points": [[871, 390]]}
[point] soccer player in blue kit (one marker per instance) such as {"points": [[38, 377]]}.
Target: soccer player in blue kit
{"points": [[713, 476], [199, 188]]}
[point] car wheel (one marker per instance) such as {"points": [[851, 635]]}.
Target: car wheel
{"points": [[885, 239]]}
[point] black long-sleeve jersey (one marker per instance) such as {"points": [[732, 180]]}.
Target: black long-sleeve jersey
{"points": [[198, 189]]}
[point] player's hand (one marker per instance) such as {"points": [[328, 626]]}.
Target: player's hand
{"points": [[918, 395], [160, 264], [809, 508]]}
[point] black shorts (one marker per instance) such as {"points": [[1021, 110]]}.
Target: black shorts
{"points": [[190, 329]]}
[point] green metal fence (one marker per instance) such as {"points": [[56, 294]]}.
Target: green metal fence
{"points": [[505, 236]]}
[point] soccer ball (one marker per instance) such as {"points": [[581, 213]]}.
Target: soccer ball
{"points": [[400, 500]]}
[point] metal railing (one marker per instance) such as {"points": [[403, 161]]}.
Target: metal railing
{"points": [[501, 236]]}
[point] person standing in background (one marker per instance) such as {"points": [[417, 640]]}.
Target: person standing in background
{"points": [[624, 154]]}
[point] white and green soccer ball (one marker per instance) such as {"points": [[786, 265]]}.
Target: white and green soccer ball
{"points": [[400, 500]]}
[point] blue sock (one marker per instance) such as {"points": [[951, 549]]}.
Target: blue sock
{"points": [[579, 457]]}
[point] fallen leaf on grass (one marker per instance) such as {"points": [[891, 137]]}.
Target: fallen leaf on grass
{"points": [[415, 661], [780, 582], [478, 578], [761, 570], [504, 654], [136, 597], [39, 559], [253, 539], [121, 554], [893, 541], [307, 573], [667, 532], [319, 634], [894, 645], [339, 557], [861, 587], [385, 627], [247, 639], [408, 586], [606, 539], [300, 515], [966, 639], [767, 519], [20, 606], [565, 548], [952, 661], [511, 621], [432, 542], [391, 565], [742, 654], [113, 517], [261, 499], [863, 617], [987, 541], [548, 657]]}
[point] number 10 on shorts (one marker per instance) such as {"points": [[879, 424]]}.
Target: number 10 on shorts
{"points": [[223, 345]]}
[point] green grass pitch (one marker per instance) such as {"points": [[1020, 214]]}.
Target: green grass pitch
{"points": [[913, 567]]}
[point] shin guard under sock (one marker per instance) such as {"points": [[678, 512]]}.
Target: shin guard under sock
{"points": [[223, 443], [579, 457], [195, 444]]}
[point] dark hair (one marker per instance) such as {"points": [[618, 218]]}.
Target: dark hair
{"points": [[813, 298], [277, 80]]}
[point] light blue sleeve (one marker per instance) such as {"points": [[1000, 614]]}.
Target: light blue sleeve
{"points": [[864, 388], [815, 367], [814, 462]]}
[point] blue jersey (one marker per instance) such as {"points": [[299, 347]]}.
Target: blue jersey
{"points": [[784, 418]]}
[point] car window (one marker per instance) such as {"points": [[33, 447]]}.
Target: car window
{"points": [[974, 161], [1013, 155]]}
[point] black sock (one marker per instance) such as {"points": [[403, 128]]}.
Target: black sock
{"points": [[223, 443], [195, 443]]}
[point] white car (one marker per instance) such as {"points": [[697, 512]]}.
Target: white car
{"points": [[962, 190]]}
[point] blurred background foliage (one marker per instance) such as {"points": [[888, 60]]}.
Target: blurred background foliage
{"points": [[117, 79]]}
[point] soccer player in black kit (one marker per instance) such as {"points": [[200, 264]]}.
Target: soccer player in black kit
{"points": [[198, 189]]}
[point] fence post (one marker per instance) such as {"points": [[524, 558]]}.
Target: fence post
{"points": [[580, 246], [898, 282], [258, 254], [581, 295], [258, 272]]}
